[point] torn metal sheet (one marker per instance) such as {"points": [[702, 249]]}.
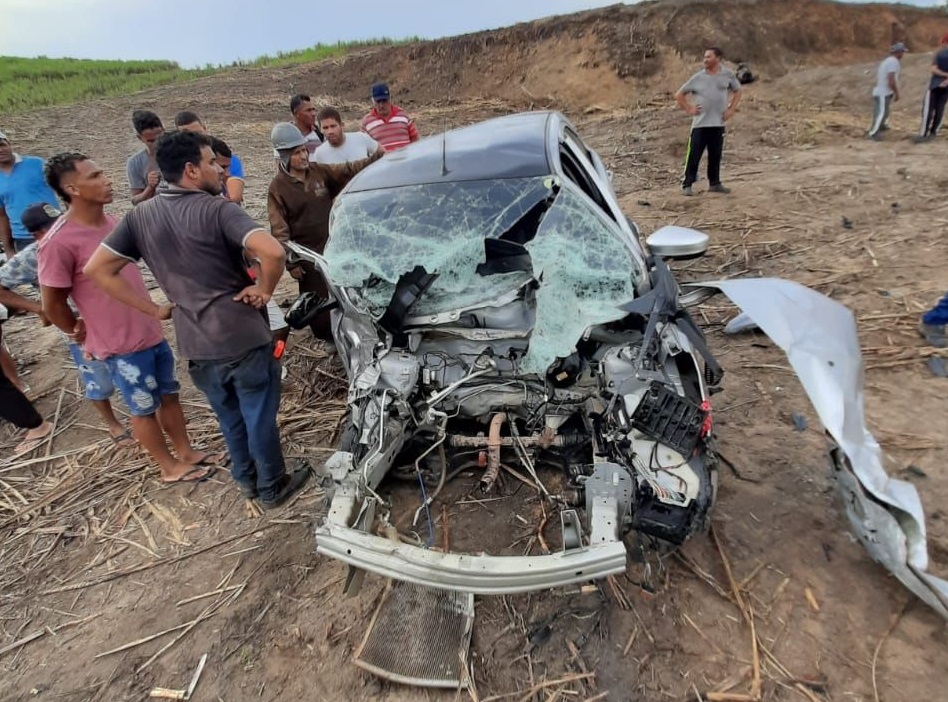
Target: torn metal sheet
{"points": [[819, 337]]}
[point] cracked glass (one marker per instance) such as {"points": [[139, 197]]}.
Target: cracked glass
{"points": [[583, 268]]}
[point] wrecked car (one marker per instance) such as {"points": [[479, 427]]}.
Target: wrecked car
{"points": [[496, 311]]}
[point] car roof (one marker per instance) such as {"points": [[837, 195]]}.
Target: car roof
{"points": [[512, 146]]}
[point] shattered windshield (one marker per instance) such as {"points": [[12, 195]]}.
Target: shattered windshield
{"points": [[534, 229]]}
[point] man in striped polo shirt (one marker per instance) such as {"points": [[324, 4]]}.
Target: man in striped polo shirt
{"points": [[387, 123]]}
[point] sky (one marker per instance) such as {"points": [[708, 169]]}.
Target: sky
{"points": [[199, 32]]}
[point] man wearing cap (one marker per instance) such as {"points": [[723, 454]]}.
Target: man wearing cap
{"points": [[387, 123], [299, 200], [21, 184], [94, 375], [886, 90], [933, 105]]}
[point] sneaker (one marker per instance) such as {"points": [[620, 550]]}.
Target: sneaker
{"points": [[686, 190], [291, 484], [719, 188], [921, 139], [934, 334], [249, 492]]}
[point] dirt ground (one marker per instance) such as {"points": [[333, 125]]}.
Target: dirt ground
{"points": [[96, 555]]}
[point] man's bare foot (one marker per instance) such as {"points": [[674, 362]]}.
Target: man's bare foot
{"points": [[34, 438], [187, 473]]}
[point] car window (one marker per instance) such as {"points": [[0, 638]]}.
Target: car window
{"points": [[575, 168], [484, 239]]}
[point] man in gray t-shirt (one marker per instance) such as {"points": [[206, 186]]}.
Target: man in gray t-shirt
{"points": [[711, 97], [195, 242]]}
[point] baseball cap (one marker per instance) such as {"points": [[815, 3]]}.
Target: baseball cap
{"points": [[39, 216], [897, 47], [3, 137], [380, 91]]}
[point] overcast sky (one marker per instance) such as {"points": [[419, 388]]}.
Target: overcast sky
{"points": [[197, 32]]}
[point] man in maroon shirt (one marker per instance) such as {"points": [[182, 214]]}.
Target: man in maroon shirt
{"points": [[131, 343], [387, 123]]}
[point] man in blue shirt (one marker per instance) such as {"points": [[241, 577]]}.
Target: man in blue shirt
{"points": [[22, 184]]}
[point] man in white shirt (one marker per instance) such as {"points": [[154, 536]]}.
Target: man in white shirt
{"points": [[342, 148], [886, 90]]}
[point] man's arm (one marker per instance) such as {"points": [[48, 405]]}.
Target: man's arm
{"points": [[266, 249], [235, 190], [936, 71], [894, 86], [682, 99], [6, 234], [276, 212], [105, 268], [14, 301], [56, 310], [736, 96]]}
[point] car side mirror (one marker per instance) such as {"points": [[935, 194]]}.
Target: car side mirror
{"points": [[679, 243]]}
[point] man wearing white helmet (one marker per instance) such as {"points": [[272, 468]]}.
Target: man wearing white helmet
{"points": [[298, 201]]}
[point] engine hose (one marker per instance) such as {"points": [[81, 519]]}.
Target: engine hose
{"points": [[493, 452]]}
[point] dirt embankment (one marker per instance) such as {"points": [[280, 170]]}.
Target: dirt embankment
{"points": [[609, 55]]}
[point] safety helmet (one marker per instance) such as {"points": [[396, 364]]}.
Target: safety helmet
{"points": [[286, 135]]}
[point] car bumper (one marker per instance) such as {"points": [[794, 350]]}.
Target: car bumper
{"points": [[482, 575]]}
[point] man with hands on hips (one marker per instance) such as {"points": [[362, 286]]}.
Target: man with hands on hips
{"points": [[195, 243]]}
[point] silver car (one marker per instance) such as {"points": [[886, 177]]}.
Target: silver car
{"points": [[496, 311]]}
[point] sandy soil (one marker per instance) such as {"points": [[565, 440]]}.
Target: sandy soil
{"points": [[114, 565]]}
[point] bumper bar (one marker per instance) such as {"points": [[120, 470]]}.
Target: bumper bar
{"points": [[482, 575]]}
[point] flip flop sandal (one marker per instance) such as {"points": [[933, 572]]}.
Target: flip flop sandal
{"points": [[209, 471], [207, 460], [124, 436]]}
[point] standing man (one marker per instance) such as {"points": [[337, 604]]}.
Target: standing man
{"points": [[352, 150], [304, 117], [933, 106], [299, 200], [141, 169], [387, 123], [131, 343], [714, 95], [886, 90], [195, 243], [234, 169], [21, 185], [94, 375]]}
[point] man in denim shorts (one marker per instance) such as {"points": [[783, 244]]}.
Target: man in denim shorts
{"points": [[94, 376], [131, 343]]}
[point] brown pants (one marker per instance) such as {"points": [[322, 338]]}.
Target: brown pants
{"points": [[312, 281]]}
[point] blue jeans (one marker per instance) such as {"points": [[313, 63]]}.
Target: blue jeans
{"points": [[938, 315], [144, 377], [244, 393]]}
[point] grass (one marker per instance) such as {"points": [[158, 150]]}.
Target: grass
{"points": [[30, 83]]}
